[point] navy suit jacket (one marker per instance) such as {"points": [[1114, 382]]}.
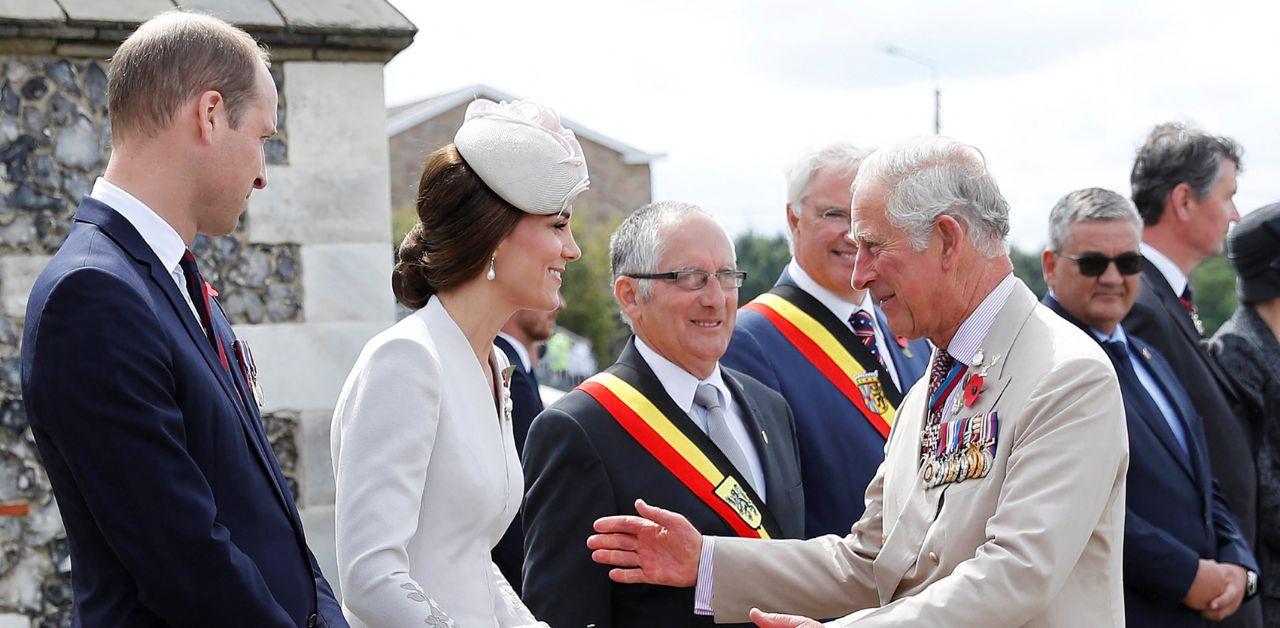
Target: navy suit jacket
{"points": [[175, 509], [526, 403], [840, 450], [580, 464], [1175, 513]]}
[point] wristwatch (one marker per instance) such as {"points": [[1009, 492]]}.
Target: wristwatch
{"points": [[1250, 584]]}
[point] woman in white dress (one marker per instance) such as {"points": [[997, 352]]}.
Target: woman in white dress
{"points": [[424, 458]]}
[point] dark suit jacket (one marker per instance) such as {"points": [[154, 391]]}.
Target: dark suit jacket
{"points": [[580, 465], [526, 402], [1175, 514], [1159, 318], [175, 509], [840, 449], [1247, 350]]}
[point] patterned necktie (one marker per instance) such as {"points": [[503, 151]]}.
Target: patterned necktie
{"points": [[865, 329], [718, 429], [942, 365], [199, 292]]}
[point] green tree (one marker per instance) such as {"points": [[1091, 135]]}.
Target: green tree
{"points": [[1214, 283], [763, 257], [590, 310], [1027, 267]]}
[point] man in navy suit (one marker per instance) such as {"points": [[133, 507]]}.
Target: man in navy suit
{"points": [[520, 339], [825, 346], [1185, 560], [141, 401]]}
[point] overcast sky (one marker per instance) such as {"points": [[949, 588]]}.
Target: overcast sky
{"points": [[1057, 95]]}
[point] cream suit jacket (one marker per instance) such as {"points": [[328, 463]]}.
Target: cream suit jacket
{"points": [[1037, 542]]}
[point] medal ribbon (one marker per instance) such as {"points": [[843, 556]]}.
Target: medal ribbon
{"points": [[948, 384]]}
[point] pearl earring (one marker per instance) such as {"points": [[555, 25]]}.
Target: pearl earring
{"points": [[490, 275]]}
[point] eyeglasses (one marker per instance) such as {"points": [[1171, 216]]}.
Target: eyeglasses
{"points": [[1095, 264], [696, 279]]}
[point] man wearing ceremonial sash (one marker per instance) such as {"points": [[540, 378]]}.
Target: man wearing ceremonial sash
{"points": [[1001, 499], [666, 423], [825, 346]]}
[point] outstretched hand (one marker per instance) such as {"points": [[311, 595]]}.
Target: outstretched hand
{"points": [[778, 620], [657, 547]]}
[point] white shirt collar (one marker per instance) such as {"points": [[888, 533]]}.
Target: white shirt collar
{"points": [[521, 351], [973, 331], [842, 308], [158, 234], [679, 383], [1170, 270]]}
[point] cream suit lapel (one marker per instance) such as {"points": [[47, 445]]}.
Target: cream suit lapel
{"points": [[908, 526]]}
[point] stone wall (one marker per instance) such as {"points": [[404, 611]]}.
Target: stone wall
{"points": [[322, 223]]}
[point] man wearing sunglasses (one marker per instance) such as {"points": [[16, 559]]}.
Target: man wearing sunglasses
{"points": [[667, 423], [1184, 181], [813, 317], [1185, 559]]}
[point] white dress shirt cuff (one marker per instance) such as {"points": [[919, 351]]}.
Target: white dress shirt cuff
{"points": [[702, 594]]}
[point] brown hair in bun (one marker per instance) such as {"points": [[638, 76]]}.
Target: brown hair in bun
{"points": [[460, 223]]}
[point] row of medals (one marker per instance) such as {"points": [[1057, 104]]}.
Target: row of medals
{"points": [[969, 464]]}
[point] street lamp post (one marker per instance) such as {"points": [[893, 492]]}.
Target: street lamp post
{"points": [[895, 51]]}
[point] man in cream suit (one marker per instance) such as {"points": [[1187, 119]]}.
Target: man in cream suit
{"points": [[1001, 498]]}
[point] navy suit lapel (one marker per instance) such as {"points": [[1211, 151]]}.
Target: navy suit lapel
{"points": [[751, 417], [1178, 398], [1172, 305], [120, 230], [1138, 400]]}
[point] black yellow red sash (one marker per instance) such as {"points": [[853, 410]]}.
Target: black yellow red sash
{"points": [[681, 456], [822, 349]]}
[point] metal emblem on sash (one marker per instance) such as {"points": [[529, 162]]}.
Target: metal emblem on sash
{"points": [[733, 494], [872, 392]]}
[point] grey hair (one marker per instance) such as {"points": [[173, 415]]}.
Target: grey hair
{"points": [[1177, 153], [841, 157], [929, 177], [638, 244], [1089, 204]]}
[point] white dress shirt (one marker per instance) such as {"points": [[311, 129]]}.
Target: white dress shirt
{"points": [[158, 234], [1170, 270], [844, 310], [681, 387]]}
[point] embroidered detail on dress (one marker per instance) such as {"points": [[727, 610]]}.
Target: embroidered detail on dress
{"points": [[438, 618]]}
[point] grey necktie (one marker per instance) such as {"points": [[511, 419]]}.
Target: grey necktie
{"points": [[718, 429]]}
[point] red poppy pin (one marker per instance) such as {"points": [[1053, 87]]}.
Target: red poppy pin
{"points": [[973, 388], [903, 342], [208, 286]]}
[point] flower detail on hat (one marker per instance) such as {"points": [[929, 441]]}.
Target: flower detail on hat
{"points": [[524, 153], [532, 114]]}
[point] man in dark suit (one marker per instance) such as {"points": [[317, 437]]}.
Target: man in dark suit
{"points": [[520, 339], [1183, 184], [825, 346], [666, 424], [1185, 561], [141, 401]]}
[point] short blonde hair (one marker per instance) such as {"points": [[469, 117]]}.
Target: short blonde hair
{"points": [[170, 59]]}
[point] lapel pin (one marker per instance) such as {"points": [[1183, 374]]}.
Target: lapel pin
{"points": [[764, 436]]}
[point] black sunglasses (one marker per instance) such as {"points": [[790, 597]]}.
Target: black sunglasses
{"points": [[1095, 264]]}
